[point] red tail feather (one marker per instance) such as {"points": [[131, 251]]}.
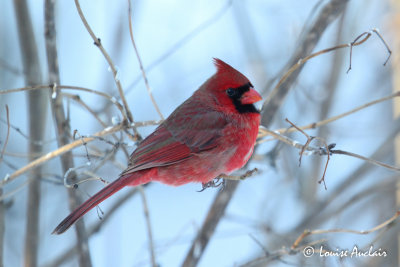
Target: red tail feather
{"points": [[89, 204]]}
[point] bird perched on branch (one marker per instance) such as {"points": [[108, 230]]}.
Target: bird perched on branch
{"points": [[212, 133]]}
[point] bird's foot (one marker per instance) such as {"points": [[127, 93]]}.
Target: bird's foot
{"points": [[216, 182]]}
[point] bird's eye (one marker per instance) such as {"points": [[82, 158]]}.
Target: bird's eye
{"points": [[230, 92]]}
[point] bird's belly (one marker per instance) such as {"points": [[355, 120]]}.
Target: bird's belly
{"points": [[198, 169]]}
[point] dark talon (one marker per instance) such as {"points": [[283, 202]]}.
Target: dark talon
{"points": [[213, 183]]}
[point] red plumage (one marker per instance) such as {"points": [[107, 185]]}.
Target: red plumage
{"points": [[212, 133]]}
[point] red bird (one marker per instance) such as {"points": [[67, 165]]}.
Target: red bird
{"points": [[212, 133]]}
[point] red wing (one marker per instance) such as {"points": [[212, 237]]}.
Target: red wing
{"points": [[199, 131], [182, 135], [158, 149]]}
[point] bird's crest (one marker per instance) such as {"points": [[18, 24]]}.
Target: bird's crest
{"points": [[222, 66], [228, 75]]}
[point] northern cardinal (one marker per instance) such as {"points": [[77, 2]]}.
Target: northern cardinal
{"points": [[212, 133]]}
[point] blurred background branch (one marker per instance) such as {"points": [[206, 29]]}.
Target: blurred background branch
{"points": [[37, 111], [62, 127]]}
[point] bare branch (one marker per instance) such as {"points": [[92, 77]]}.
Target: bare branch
{"points": [[62, 126], [37, 102]]}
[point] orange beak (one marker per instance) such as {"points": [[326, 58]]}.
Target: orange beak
{"points": [[250, 97]]}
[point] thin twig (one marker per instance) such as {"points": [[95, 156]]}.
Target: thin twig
{"points": [[264, 249], [309, 150], [369, 160], [94, 114], [71, 87], [309, 139], [185, 39], [306, 145], [339, 230], [61, 150], [263, 132], [312, 150], [8, 67], [78, 100], [17, 129], [351, 45], [367, 35], [97, 42], [328, 157], [341, 190], [67, 87], [335, 69], [302, 61], [7, 135], [297, 248], [15, 190], [149, 228], [377, 188], [76, 132], [75, 184], [375, 30], [146, 81]]}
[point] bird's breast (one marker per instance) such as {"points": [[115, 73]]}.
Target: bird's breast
{"points": [[242, 134]]}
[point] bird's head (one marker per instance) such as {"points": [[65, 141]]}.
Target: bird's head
{"points": [[232, 89]]}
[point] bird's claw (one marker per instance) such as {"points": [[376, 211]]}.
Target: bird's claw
{"points": [[217, 182]]}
